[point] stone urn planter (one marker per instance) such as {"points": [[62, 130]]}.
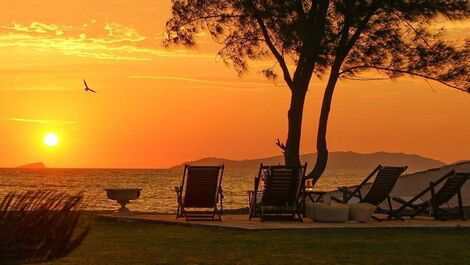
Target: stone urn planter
{"points": [[123, 196]]}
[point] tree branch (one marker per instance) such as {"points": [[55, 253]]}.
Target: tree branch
{"points": [[279, 57], [361, 27], [205, 18], [406, 72], [281, 145], [415, 30]]}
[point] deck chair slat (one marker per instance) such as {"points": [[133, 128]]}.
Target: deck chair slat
{"points": [[449, 189], [383, 184]]}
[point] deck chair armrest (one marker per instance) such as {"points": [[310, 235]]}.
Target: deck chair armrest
{"points": [[347, 194], [178, 191]]}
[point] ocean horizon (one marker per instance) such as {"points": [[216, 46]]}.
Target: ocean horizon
{"points": [[158, 194]]}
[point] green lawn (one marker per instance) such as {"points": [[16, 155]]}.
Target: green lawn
{"points": [[120, 243]]}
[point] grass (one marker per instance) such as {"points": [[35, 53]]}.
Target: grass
{"points": [[122, 243]]}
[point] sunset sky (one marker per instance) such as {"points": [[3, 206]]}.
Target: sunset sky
{"points": [[157, 107]]}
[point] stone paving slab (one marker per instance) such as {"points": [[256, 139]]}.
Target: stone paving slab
{"points": [[241, 222]]}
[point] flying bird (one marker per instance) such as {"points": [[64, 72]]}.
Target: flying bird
{"points": [[87, 88]]}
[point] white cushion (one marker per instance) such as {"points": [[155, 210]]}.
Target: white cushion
{"points": [[361, 212], [323, 212]]}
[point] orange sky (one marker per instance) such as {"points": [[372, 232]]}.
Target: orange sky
{"points": [[157, 107]]}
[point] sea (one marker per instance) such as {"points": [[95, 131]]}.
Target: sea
{"points": [[158, 185]]}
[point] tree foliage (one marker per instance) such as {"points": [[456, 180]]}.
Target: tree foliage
{"points": [[393, 37], [330, 39]]}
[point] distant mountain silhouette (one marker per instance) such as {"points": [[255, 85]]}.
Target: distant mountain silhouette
{"points": [[33, 165], [337, 162]]}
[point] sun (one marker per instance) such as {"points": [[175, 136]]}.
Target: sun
{"points": [[51, 139]]}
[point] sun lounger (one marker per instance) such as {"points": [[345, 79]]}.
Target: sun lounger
{"points": [[379, 190], [449, 189]]}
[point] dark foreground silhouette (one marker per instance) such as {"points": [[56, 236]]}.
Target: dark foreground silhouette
{"points": [[39, 226]]}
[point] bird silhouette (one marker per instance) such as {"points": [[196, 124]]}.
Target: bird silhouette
{"points": [[87, 88]]}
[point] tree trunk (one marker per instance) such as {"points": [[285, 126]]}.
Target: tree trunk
{"points": [[322, 150], [291, 153]]}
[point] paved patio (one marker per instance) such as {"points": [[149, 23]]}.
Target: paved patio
{"points": [[241, 222]]}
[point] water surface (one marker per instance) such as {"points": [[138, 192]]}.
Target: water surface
{"points": [[158, 194]]}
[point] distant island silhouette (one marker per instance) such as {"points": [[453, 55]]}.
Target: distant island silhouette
{"points": [[37, 165], [338, 161]]}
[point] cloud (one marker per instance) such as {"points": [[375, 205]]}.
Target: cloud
{"points": [[38, 27], [119, 33], [111, 41], [229, 85], [57, 122]]}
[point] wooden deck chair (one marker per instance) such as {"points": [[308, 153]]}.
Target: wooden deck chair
{"points": [[200, 196], [451, 187], [378, 192], [254, 196], [281, 196]]}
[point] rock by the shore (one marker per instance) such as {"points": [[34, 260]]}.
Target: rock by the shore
{"points": [[33, 165]]}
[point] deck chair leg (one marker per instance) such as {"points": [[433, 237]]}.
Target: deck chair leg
{"points": [[304, 197], [261, 214], [301, 220], [438, 215], [180, 210], [221, 212], [437, 212], [419, 210], [459, 198], [434, 207], [252, 210], [221, 203], [390, 210]]}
